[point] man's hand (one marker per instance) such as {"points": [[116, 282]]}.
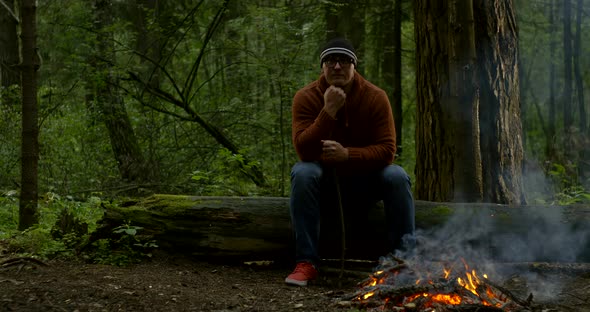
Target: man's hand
{"points": [[334, 98], [333, 151]]}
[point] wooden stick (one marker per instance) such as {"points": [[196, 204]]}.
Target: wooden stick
{"points": [[342, 227]]}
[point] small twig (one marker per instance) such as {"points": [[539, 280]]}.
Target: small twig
{"points": [[509, 294], [15, 282], [21, 260]]}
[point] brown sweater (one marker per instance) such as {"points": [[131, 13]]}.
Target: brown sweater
{"points": [[364, 125]]}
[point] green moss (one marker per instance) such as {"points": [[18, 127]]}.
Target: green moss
{"points": [[172, 204], [427, 218], [442, 210]]}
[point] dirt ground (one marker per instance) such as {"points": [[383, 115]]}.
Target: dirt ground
{"points": [[177, 283]]}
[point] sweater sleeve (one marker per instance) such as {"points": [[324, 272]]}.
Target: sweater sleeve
{"points": [[381, 151], [310, 125]]}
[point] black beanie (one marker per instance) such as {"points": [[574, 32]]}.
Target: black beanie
{"points": [[338, 46]]}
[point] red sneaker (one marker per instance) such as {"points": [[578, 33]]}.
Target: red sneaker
{"points": [[304, 272]]}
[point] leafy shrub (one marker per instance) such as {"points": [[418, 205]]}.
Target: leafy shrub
{"points": [[65, 228]]}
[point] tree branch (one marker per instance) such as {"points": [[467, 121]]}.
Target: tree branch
{"points": [[10, 11]]}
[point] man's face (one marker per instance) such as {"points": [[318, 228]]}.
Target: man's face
{"points": [[338, 69]]}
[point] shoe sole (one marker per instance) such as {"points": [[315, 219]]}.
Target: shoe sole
{"points": [[293, 282]]}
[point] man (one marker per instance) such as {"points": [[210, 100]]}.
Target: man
{"points": [[343, 129]]}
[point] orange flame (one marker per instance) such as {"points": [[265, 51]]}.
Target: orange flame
{"points": [[470, 281]]}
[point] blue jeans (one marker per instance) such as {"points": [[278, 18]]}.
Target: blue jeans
{"points": [[309, 181]]}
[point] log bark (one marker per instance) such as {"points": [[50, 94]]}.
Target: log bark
{"points": [[259, 227]]}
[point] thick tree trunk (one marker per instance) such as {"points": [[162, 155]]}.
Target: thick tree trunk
{"points": [[259, 227], [500, 124], [463, 108], [434, 148], [28, 212], [468, 133]]}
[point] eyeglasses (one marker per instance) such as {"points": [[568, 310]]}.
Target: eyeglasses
{"points": [[343, 61]]}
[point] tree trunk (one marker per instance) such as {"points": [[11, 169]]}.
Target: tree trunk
{"points": [[462, 112], [447, 78], [550, 140], [434, 155], [9, 55], [28, 211], [112, 108], [583, 163], [259, 227], [393, 62], [568, 121], [144, 12], [501, 128]]}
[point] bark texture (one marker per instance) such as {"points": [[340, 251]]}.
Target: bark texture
{"points": [[469, 132], [434, 150], [501, 128]]}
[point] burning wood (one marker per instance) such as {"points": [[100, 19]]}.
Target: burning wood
{"points": [[400, 286]]}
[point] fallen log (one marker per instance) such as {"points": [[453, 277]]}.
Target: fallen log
{"points": [[259, 227]]}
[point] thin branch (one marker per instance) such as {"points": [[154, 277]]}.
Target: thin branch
{"points": [[212, 27], [10, 11], [204, 83], [167, 59]]}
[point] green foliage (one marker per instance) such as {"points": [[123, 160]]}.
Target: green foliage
{"points": [[8, 213], [127, 247], [65, 229], [42, 240], [37, 241], [569, 191], [225, 176]]}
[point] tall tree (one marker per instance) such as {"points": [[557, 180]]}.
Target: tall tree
{"points": [[467, 96], [434, 150], [392, 66], [501, 127], [461, 111], [568, 120], [29, 66], [9, 55], [583, 165], [551, 123], [145, 15], [109, 102]]}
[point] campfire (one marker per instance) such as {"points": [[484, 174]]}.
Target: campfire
{"points": [[401, 286]]}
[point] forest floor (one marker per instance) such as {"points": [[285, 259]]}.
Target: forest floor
{"points": [[177, 283]]}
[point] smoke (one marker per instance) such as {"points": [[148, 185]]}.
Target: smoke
{"points": [[492, 239], [508, 234]]}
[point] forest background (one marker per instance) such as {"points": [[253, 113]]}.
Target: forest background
{"points": [[194, 97]]}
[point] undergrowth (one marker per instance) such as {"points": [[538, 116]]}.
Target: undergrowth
{"points": [[67, 230]]}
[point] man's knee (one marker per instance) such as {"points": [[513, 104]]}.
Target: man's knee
{"points": [[306, 171], [395, 175]]}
